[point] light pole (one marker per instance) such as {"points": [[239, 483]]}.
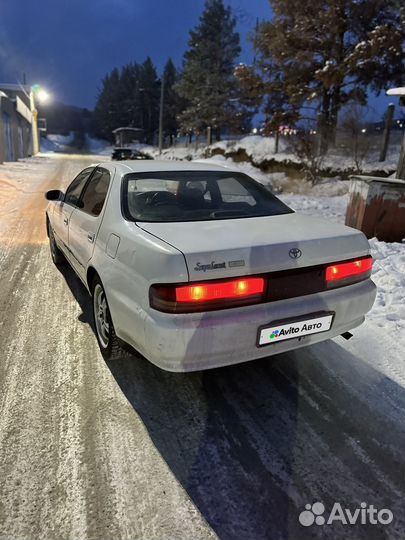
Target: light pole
{"points": [[36, 92]]}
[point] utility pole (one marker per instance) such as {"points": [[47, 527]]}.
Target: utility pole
{"points": [[34, 124], [387, 131], [400, 92], [277, 139], [162, 97], [209, 136], [401, 163]]}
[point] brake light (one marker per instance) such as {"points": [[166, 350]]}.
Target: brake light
{"points": [[203, 292], [352, 270], [207, 295]]}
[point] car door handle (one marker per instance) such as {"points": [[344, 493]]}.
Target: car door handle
{"points": [[90, 237], [66, 221]]}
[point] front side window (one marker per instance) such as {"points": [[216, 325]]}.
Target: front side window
{"points": [[196, 196], [75, 189], [96, 192]]}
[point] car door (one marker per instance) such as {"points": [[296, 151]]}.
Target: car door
{"points": [[86, 219], [63, 209]]}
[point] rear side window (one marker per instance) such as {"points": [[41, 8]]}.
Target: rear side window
{"points": [[196, 196], [95, 193], [75, 189]]}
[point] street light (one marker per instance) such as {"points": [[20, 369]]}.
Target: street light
{"points": [[42, 96], [36, 93]]}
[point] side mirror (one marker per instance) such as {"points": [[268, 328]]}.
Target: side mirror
{"points": [[54, 195]]}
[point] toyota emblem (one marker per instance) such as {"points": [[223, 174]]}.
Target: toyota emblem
{"points": [[295, 253]]}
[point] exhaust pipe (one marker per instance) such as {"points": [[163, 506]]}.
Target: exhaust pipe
{"points": [[347, 335]]}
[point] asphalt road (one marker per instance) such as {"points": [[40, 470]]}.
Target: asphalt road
{"points": [[125, 450]]}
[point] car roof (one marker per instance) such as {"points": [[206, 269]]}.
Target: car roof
{"points": [[128, 166]]}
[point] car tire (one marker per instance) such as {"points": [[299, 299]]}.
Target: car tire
{"points": [[111, 346], [57, 256]]}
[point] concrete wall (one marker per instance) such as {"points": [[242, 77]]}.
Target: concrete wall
{"points": [[15, 132]]}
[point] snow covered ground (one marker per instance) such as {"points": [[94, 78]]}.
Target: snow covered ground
{"points": [[261, 149], [258, 149], [19, 180], [56, 143], [98, 146]]}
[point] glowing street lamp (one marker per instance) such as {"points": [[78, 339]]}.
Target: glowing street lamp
{"points": [[42, 96], [36, 93]]}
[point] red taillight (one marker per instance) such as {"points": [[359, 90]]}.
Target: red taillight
{"points": [[207, 295], [205, 292], [346, 270]]}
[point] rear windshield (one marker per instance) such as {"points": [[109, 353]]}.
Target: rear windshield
{"points": [[196, 196]]}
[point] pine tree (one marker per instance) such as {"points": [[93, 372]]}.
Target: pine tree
{"points": [[323, 54], [208, 82], [173, 103], [149, 95], [129, 97], [108, 109]]}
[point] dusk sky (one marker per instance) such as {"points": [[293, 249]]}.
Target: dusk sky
{"points": [[69, 45]]}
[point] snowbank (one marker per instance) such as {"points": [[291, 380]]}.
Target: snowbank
{"points": [[389, 275], [257, 148], [56, 143], [245, 167], [98, 146], [259, 151]]}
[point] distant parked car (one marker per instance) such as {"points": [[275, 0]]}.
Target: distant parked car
{"points": [[197, 266], [128, 153]]}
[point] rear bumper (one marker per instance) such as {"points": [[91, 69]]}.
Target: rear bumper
{"points": [[190, 342]]}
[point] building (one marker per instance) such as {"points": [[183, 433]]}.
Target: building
{"points": [[125, 136], [15, 123]]}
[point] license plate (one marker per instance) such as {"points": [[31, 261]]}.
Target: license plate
{"points": [[294, 328]]}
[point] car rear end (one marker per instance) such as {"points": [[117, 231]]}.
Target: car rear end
{"points": [[253, 317], [257, 285], [219, 338]]}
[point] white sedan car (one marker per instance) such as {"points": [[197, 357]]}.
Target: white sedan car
{"points": [[197, 266]]}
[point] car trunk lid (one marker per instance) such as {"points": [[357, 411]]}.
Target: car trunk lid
{"points": [[236, 247]]}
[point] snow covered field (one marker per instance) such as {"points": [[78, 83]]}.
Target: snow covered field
{"points": [[260, 149]]}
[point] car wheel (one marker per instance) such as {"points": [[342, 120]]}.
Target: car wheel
{"points": [[56, 254], [110, 346]]}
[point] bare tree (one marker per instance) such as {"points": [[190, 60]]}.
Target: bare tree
{"points": [[356, 143], [307, 148]]}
